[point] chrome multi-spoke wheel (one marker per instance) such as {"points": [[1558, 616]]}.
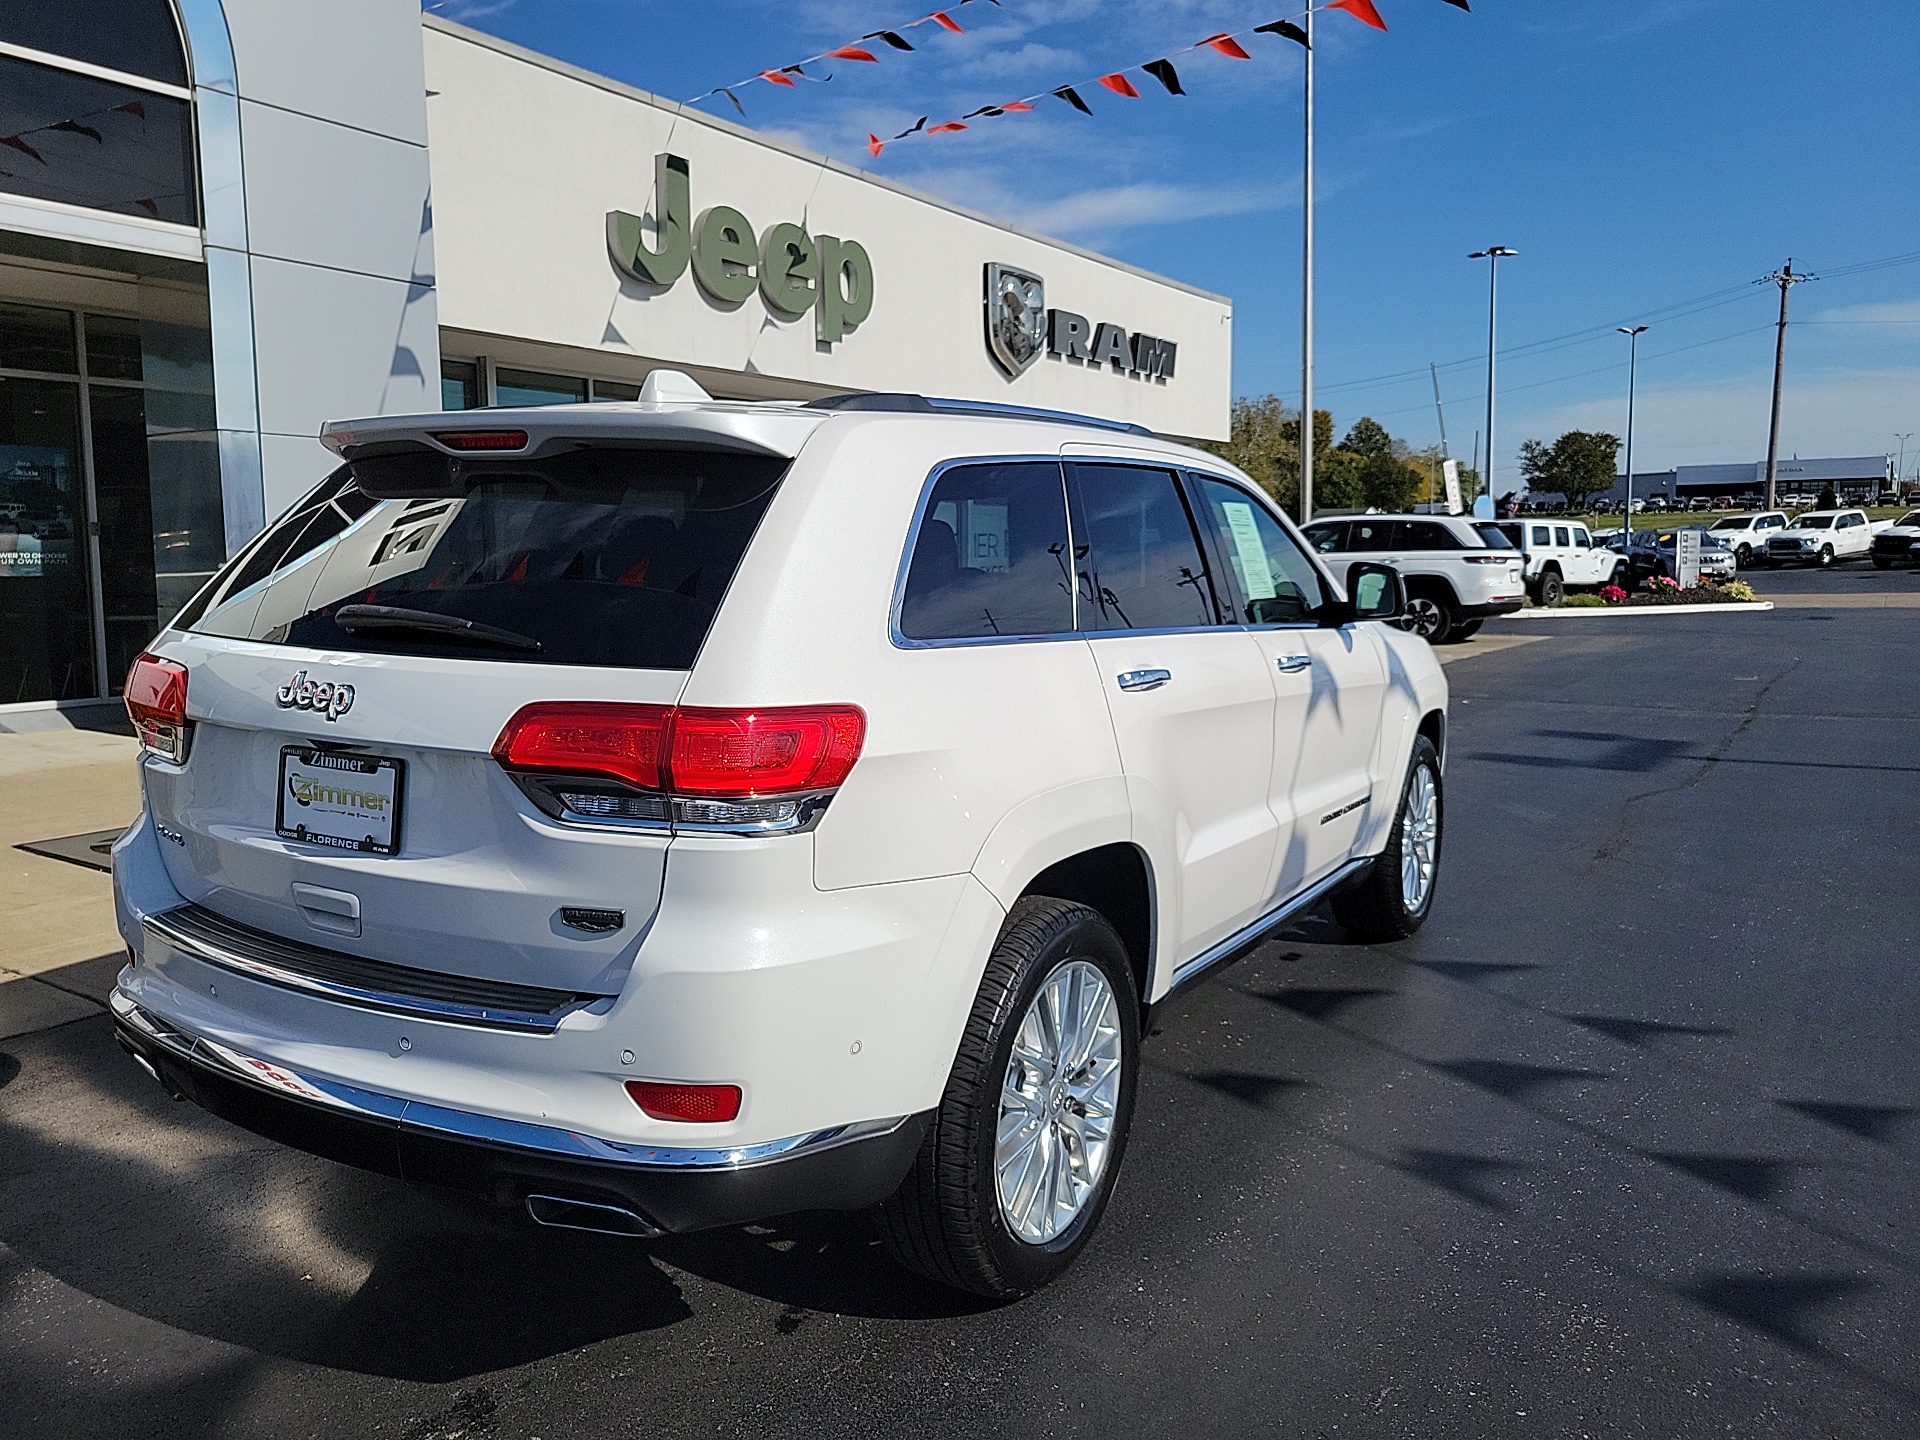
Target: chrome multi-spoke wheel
{"points": [[1058, 1102], [1419, 840]]}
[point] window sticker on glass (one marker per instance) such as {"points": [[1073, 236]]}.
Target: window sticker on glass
{"points": [[986, 537], [1255, 573]]}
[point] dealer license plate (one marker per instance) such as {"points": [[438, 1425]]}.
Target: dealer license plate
{"points": [[345, 802]]}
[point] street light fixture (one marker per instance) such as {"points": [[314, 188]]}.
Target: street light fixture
{"points": [[1633, 334], [1492, 254]]}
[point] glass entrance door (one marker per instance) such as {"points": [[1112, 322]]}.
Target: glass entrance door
{"points": [[46, 618]]}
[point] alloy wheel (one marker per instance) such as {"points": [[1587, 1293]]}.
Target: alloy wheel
{"points": [[1422, 616], [1058, 1102], [1419, 840]]}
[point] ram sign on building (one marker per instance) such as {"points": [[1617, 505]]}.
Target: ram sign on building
{"points": [[225, 222]]}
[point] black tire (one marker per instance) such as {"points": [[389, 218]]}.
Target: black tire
{"points": [[1826, 556], [1742, 556], [945, 1221], [1429, 616], [1375, 910], [1465, 630], [1881, 562], [1622, 576], [1552, 589]]}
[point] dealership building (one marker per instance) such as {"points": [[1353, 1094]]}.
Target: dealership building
{"points": [[224, 222]]}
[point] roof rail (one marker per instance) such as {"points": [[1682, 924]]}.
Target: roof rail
{"points": [[903, 403]]}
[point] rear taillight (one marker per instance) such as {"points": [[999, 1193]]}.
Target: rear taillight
{"points": [[756, 769], [156, 696], [696, 1104]]}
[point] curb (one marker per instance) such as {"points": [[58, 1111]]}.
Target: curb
{"points": [[1557, 612]]}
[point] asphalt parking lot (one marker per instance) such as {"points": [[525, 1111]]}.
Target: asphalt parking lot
{"points": [[1626, 1142]]}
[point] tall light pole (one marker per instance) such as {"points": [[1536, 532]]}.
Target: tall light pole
{"points": [[1492, 254], [1786, 280], [1633, 334], [1306, 300], [1900, 471]]}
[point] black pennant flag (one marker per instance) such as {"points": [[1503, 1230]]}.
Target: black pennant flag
{"points": [[1462, 5], [913, 129], [892, 37], [1285, 28], [1163, 71], [736, 101], [1072, 97]]}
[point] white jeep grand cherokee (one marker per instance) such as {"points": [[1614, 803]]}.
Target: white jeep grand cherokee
{"points": [[674, 814]]}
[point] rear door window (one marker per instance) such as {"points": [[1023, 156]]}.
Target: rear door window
{"points": [[594, 557], [990, 558], [1276, 583], [1561, 538], [1424, 535], [1542, 535], [1370, 537], [1139, 562]]}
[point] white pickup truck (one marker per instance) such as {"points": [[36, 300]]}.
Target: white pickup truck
{"points": [[1560, 556], [1748, 534], [1822, 537]]}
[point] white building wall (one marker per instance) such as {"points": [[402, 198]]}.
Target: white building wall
{"points": [[530, 155], [335, 235]]}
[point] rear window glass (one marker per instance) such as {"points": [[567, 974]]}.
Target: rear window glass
{"points": [[1327, 539], [1500, 537], [594, 557], [990, 557], [1142, 569]]}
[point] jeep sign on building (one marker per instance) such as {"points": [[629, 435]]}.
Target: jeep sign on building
{"points": [[272, 215]]}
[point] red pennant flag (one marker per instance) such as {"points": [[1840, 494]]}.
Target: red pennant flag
{"points": [[1016, 105], [14, 142], [1227, 46], [946, 22], [1120, 85], [875, 144], [947, 128], [1360, 10], [132, 107], [854, 52], [774, 77]]}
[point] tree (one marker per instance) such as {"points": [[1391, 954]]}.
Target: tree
{"points": [[1579, 464], [1368, 439], [1368, 469], [1828, 500], [1266, 444]]}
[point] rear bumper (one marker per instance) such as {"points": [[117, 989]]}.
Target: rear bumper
{"points": [[1491, 609], [847, 1167]]}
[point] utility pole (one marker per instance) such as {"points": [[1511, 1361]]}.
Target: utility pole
{"points": [[1786, 280], [1440, 411], [1633, 334], [1493, 255], [1306, 300]]}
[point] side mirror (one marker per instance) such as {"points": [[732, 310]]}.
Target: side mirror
{"points": [[1375, 592]]}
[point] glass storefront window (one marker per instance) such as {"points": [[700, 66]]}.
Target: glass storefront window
{"points": [[85, 141], [33, 337], [459, 385], [531, 387], [113, 347], [46, 630], [138, 37], [615, 390]]}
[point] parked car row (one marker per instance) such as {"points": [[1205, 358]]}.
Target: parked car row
{"points": [[1459, 572]]}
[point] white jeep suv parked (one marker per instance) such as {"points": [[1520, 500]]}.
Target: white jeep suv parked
{"points": [[1458, 572], [1561, 556], [679, 813]]}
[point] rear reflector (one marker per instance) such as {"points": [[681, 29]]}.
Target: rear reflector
{"points": [[156, 697], [745, 754], [695, 1104], [482, 439]]}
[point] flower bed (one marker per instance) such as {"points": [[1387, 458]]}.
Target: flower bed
{"points": [[1664, 590]]}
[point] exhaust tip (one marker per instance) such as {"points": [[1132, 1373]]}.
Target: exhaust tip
{"points": [[564, 1214]]}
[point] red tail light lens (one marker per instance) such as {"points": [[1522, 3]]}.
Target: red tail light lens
{"points": [[753, 753], [468, 440], [696, 1104], [156, 697], [625, 742]]}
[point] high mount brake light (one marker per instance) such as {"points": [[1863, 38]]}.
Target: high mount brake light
{"points": [[482, 439], [706, 759], [695, 1104], [156, 696]]}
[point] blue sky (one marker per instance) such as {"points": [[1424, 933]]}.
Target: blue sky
{"points": [[1639, 155]]}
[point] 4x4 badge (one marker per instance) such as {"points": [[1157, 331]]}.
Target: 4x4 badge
{"points": [[320, 696]]}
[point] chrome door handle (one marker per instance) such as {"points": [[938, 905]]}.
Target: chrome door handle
{"points": [[1290, 663], [1143, 679]]}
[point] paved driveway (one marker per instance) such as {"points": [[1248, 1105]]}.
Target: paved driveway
{"points": [[1625, 1143]]}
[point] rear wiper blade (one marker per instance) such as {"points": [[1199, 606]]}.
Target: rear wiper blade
{"points": [[356, 618]]}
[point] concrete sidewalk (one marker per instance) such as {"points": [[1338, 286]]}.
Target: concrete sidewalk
{"points": [[61, 951]]}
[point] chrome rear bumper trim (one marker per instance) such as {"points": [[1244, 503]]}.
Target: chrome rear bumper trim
{"points": [[351, 1100]]}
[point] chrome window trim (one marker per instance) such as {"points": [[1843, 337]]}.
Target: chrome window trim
{"points": [[286, 1082]]}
